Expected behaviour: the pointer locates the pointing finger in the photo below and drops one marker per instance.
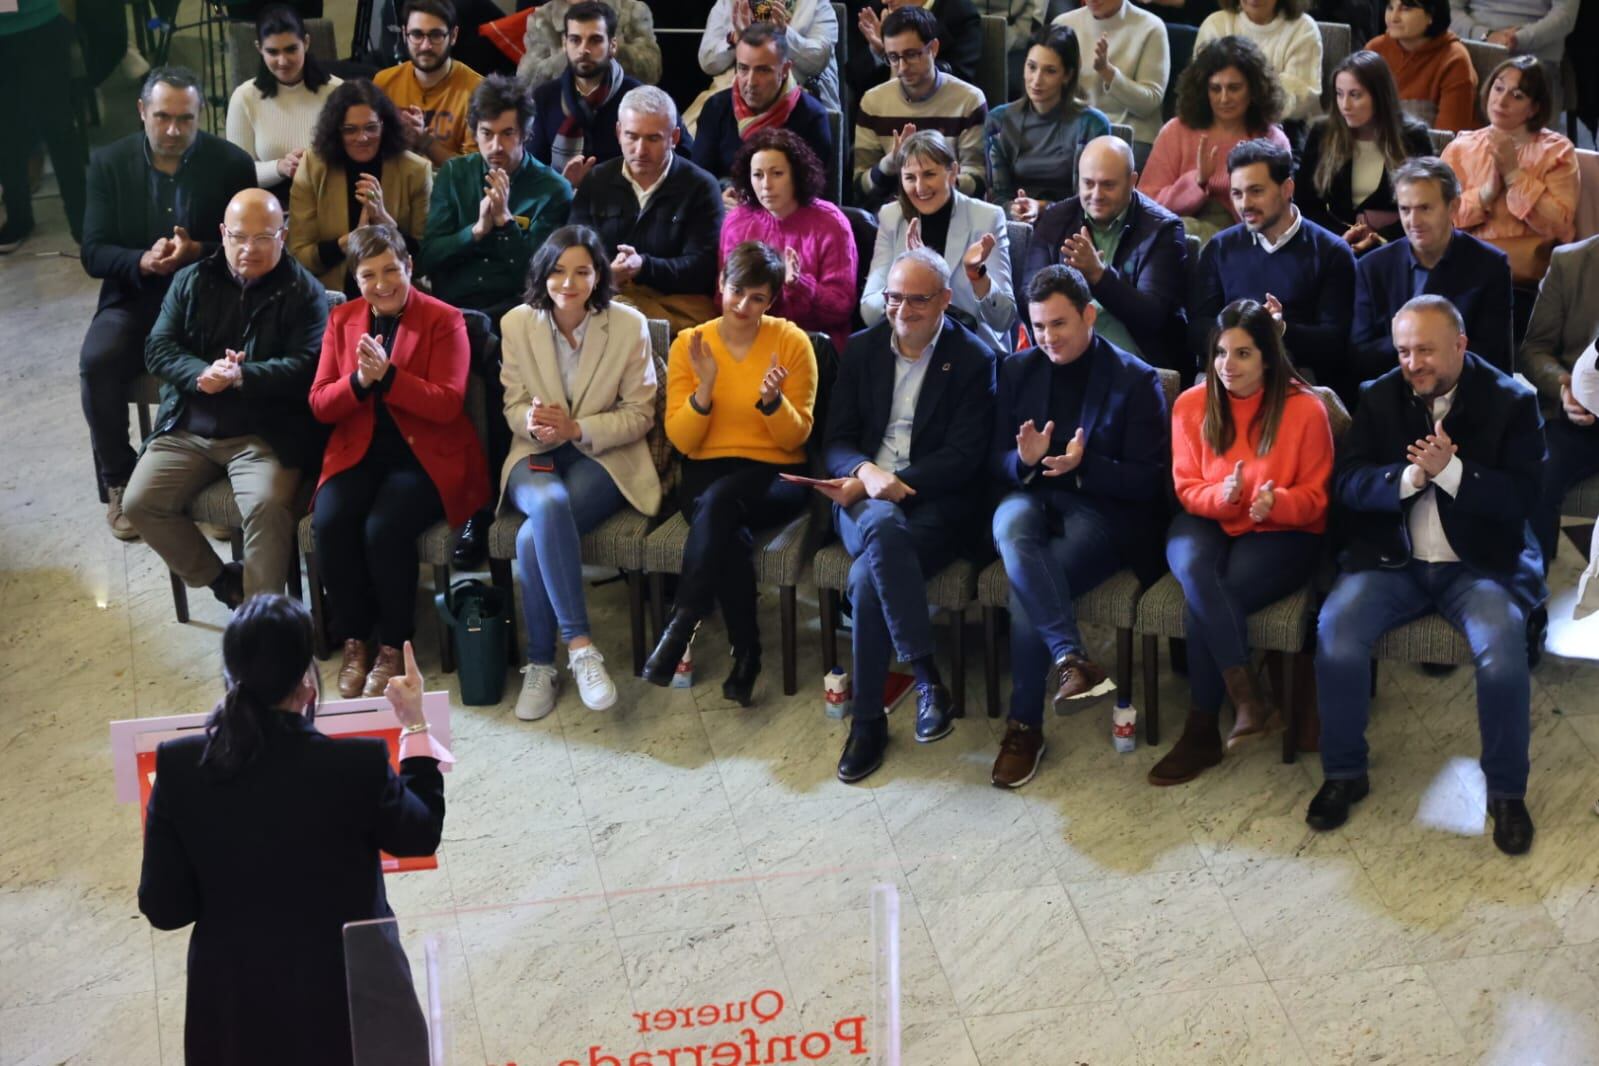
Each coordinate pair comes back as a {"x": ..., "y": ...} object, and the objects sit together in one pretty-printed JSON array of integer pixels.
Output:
[{"x": 411, "y": 669}]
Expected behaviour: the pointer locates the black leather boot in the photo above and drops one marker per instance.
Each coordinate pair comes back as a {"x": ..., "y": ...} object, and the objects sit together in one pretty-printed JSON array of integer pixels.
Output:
[
  {"x": 662, "y": 663},
  {"x": 740, "y": 684}
]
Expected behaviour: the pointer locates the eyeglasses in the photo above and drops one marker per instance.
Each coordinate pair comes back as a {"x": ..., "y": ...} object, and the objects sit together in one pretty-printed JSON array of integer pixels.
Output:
[
  {"x": 371, "y": 129},
  {"x": 917, "y": 300},
  {"x": 433, "y": 36},
  {"x": 260, "y": 242},
  {"x": 894, "y": 59}
]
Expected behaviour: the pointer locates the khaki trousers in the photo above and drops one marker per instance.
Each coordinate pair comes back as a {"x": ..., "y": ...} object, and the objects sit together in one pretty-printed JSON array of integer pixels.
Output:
[
  {"x": 173, "y": 470},
  {"x": 682, "y": 310}
]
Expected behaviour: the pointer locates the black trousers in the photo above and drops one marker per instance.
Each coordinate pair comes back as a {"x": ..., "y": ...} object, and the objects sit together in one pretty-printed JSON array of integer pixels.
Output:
[
  {"x": 366, "y": 521},
  {"x": 112, "y": 356},
  {"x": 724, "y": 501},
  {"x": 36, "y": 105}
]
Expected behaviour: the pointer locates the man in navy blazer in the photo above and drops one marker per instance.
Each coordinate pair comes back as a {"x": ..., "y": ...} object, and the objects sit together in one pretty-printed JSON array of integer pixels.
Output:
[
  {"x": 907, "y": 429},
  {"x": 1081, "y": 444},
  {"x": 1433, "y": 257},
  {"x": 1131, "y": 250},
  {"x": 1438, "y": 477}
]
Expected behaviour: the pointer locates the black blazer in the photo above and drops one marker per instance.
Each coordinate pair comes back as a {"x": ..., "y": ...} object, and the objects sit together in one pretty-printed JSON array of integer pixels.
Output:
[
  {"x": 677, "y": 233},
  {"x": 1144, "y": 283},
  {"x": 269, "y": 865},
  {"x": 1498, "y": 431},
  {"x": 117, "y": 224},
  {"x": 717, "y": 141},
  {"x": 1336, "y": 210},
  {"x": 954, "y": 413}
]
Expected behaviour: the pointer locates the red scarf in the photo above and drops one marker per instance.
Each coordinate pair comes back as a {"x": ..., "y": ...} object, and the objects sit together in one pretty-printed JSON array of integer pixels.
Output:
[{"x": 775, "y": 117}]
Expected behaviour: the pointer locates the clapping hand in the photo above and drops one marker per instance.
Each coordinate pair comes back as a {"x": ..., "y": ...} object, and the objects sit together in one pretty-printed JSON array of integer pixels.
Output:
[
  {"x": 1576, "y": 413},
  {"x": 1274, "y": 308},
  {"x": 977, "y": 253},
  {"x": 1024, "y": 208},
  {"x": 372, "y": 362},
  {"x": 1069, "y": 460},
  {"x": 892, "y": 160},
  {"x": 158, "y": 260},
  {"x": 551, "y": 423},
  {"x": 703, "y": 360},
  {"x": 913, "y": 234},
  {"x": 221, "y": 375},
  {"x": 1506, "y": 37},
  {"x": 494, "y": 209},
  {"x": 576, "y": 169},
  {"x": 871, "y": 27},
  {"x": 1504, "y": 151},
  {"x": 1032, "y": 444},
  {"x": 415, "y": 121},
  {"x": 404, "y": 692},
  {"x": 1260, "y": 506},
  {"x": 1232, "y": 487},
  {"x": 881, "y": 485},
  {"x": 1078, "y": 251},
  {"x": 289, "y": 163},
  {"x": 628, "y": 262},
  {"x": 772, "y": 383},
  {"x": 369, "y": 191},
  {"x": 1205, "y": 159},
  {"x": 1102, "y": 65},
  {"x": 791, "y": 266},
  {"x": 1433, "y": 452}
]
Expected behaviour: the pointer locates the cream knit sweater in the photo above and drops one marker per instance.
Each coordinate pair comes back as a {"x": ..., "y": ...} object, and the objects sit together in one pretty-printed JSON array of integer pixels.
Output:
[
  {"x": 1140, "y": 53},
  {"x": 269, "y": 128}
]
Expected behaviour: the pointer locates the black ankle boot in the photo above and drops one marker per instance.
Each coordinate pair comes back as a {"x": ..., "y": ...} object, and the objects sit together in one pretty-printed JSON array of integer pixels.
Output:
[
  {"x": 662, "y": 663},
  {"x": 740, "y": 684}
]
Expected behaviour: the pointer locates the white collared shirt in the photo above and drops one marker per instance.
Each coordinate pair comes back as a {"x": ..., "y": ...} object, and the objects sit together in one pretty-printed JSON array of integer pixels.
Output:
[
  {"x": 640, "y": 192},
  {"x": 895, "y": 452},
  {"x": 1270, "y": 246},
  {"x": 1428, "y": 542},
  {"x": 567, "y": 355}
]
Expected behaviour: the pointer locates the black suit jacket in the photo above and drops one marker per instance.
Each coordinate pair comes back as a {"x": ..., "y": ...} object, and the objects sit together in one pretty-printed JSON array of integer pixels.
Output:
[
  {"x": 1498, "y": 431},
  {"x": 717, "y": 140},
  {"x": 1144, "y": 283},
  {"x": 269, "y": 864},
  {"x": 677, "y": 233},
  {"x": 954, "y": 415},
  {"x": 117, "y": 220}
]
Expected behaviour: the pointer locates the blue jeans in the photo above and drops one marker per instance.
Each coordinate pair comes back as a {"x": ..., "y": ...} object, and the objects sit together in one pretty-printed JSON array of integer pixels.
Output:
[
  {"x": 1225, "y": 579},
  {"x": 1573, "y": 457},
  {"x": 560, "y": 507},
  {"x": 894, "y": 551},
  {"x": 1047, "y": 571},
  {"x": 1363, "y": 606}
]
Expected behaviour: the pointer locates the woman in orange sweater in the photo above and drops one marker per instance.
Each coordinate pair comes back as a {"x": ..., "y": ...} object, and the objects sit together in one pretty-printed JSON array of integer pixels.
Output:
[
  {"x": 1437, "y": 82},
  {"x": 1252, "y": 451},
  {"x": 739, "y": 394}
]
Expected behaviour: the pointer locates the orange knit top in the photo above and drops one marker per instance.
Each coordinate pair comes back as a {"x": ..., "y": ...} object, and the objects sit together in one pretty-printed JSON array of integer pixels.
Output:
[
  {"x": 1300, "y": 463},
  {"x": 1437, "y": 83}
]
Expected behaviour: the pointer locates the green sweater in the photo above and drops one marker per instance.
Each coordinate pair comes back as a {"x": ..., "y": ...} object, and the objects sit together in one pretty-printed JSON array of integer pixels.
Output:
[
  {"x": 30, "y": 14},
  {"x": 491, "y": 272}
]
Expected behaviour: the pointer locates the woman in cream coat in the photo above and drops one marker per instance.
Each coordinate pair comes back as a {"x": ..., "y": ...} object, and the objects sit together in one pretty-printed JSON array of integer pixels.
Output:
[
  {"x": 579, "y": 396},
  {"x": 968, "y": 233}
]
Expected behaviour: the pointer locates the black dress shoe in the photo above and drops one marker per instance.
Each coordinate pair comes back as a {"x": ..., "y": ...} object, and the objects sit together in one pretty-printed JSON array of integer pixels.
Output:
[
  {"x": 1512, "y": 825},
  {"x": 933, "y": 719},
  {"x": 740, "y": 684},
  {"x": 1330, "y": 808},
  {"x": 863, "y": 750},
  {"x": 228, "y": 588},
  {"x": 473, "y": 544},
  {"x": 662, "y": 663},
  {"x": 1537, "y": 632}
]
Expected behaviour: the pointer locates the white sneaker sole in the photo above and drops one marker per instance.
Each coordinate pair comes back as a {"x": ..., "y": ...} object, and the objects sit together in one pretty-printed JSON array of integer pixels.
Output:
[
  {"x": 1031, "y": 773},
  {"x": 607, "y": 705}
]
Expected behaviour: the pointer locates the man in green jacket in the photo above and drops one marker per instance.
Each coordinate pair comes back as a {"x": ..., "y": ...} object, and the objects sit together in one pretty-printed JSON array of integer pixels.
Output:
[{"x": 236, "y": 348}]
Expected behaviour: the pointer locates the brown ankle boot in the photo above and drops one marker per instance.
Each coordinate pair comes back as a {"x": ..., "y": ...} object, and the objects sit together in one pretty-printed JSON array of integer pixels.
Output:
[
  {"x": 352, "y": 671},
  {"x": 1197, "y": 750},
  {"x": 1254, "y": 717},
  {"x": 388, "y": 663}
]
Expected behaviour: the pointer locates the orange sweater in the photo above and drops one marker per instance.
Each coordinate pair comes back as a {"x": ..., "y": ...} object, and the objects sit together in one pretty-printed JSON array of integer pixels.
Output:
[
  {"x": 735, "y": 428},
  {"x": 1437, "y": 83},
  {"x": 1300, "y": 463}
]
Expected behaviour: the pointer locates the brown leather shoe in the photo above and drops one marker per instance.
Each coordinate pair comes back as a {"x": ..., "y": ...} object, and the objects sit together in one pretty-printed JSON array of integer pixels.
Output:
[
  {"x": 388, "y": 663},
  {"x": 1254, "y": 716},
  {"x": 1078, "y": 679},
  {"x": 1019, "y": 755},
  {"x": 121, "y": 528},
  {"x": 1197, "y": 750},
  {"x": 352, "y": 671}
]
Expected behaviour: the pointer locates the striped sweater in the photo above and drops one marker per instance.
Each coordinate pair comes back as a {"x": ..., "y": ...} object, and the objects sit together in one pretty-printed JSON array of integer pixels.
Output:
[{"x": 955, "y": 109}]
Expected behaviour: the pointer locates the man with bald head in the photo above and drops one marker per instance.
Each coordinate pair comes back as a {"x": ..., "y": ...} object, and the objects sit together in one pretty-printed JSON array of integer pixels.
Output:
[
  {"x": 235, "y": 347},
  {"x": 1129, "y": 249}
]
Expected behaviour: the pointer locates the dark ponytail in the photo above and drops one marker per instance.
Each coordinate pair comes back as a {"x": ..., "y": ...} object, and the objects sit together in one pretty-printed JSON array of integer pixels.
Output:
[{"x": 266, "y": 650}]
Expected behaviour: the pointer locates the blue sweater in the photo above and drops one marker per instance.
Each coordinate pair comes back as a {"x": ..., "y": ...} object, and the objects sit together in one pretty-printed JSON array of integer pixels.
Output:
[{"x": 1314, "y": 277}]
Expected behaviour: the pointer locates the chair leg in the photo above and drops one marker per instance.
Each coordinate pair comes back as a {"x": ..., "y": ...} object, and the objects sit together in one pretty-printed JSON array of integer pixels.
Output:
[
  {"x": 788, "y": 599},
  {"x": 1374, "y": 679},
  {"x": 321, "y": 642},
  {"x": 180, "y": 598},
  {"x": 296, "y": 585},
  {"x": 827, "y": 610},
  {"x": 236, "y": 542},
  {"x": 1151, "y": 690},
  {"x": 441, "y": 583},
  {"x": 1124, "y": 663},
  {"x": 991, "y": 660},
  {"x": 635, "y": 617},
  {"x": 957, "y": 673},
  {"x": 500, "y": 577},
  {"x": 1282, "y": 669},
  {"x": 658, "y": 602}
]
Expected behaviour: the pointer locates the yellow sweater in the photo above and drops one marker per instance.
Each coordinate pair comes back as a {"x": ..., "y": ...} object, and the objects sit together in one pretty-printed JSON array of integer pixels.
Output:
[{"x": 735, "y": 428}]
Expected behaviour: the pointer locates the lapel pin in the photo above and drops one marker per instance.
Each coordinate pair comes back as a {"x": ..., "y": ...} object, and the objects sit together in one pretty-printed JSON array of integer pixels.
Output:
[{"x": 946, "y": 366}]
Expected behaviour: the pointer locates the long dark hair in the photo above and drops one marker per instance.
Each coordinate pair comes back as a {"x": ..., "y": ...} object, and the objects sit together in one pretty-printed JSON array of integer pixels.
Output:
[
  {"x": 266, "y": 651},
  {"x": 1281, "y": 378},
  {"x": 550, "y": 252},
  {"x": 805, "y": 169},
  {"x": 1338, "y": 140},
  {"x": 1062, "y": 40},
  {"x": 328, "y": 143},
  {"x": 280, "y": 19},
  {"x": 1265, "y": 92}
]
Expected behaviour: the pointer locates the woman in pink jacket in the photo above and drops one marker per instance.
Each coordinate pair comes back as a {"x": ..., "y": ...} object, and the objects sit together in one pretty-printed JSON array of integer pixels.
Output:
[{"x": 779, "y": 183}]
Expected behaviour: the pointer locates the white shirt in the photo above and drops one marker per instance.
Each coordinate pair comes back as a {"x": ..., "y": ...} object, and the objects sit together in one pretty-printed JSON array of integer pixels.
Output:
[
  {"x": 1428, "y": 542},
  {"x": 566, "y": 355},
  {"x": 1270, "y": 246},
  {"x": 909, "y": 374},
  {"x": 640, "y": 192},
  {"x": 1366, "y": 172}
]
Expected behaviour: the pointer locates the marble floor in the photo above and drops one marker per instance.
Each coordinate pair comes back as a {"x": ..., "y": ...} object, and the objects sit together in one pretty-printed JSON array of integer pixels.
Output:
[{"x": 1085, "y": 919}]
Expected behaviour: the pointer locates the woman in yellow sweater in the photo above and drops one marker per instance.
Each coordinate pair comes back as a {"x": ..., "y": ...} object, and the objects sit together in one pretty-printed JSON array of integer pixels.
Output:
[{"x": 739, "y": 393}]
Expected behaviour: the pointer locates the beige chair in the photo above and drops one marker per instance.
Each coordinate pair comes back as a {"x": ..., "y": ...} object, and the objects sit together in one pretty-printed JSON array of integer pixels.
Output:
[
  {"x": 1336, "y": 43},
  {"x": 1122, "y": 130},
  {"x": 1282, "y": 627},
  {"x": 1484, "y": 58},
  {"x": 993, "y": 73}
]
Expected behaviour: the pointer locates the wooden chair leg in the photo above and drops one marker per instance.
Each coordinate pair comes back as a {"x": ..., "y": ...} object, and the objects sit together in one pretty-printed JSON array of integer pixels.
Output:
[
  {"x": 441, "y": 583},
  {"x": 635, "y": 617},
  {"x": 1124, "y": 663},
  {"x": 296, "y": 585},
  {"x": 827, "y": 611},
  {"x": 321, "y": 642},
  {"x": 957, "y": 673},
  {"x": 1282, "y": 679},
  {"x": 500, "y": 577},
  {"x": 1151, "y": 690},
  {"x": 788, "y": 599},
  {"x": 180, "y": 598},
  {"x": 991, "y": 660},
  {"x": 658, "y": 603}
]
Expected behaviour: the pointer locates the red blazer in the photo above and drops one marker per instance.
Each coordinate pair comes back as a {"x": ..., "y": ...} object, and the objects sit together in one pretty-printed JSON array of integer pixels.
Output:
[{"x": 430, "y": 358}]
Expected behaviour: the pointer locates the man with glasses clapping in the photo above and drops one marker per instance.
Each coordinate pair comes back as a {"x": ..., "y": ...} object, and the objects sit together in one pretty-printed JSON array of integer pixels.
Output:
[{"x": 433, "y": 89}]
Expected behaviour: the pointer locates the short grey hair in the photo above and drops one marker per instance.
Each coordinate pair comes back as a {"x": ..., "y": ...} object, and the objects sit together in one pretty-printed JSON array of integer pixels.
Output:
[
  {"x": 927, "y": 258},
  {"x": 180, "y": 78},
  {"x": 1436, "y": 304},
  {"x": 648, "y": 100}
]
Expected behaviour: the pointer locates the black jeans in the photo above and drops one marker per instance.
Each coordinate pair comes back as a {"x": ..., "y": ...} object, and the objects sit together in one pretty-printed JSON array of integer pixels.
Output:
[
  {"x": 723, "y": 501},
  {"x": 36, "y": 105},
  {"x": 366, "y": 521},
  {"x": 112, "y": 356}
]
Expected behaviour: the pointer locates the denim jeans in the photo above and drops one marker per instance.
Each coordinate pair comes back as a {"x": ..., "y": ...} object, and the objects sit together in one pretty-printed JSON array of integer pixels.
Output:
[
  {"x": 1225, "y": 579},
  {"x": 1047, "y": 571},
  {"x": 1363, "y": 606},
  {"x": 560, "y": 507},
  {"x": 895, "y": 551},
  {"x": 1573, "y": 457}
]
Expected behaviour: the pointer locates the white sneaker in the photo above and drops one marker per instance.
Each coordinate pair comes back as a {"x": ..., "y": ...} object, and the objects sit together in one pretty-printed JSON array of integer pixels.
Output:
[
  {"x": 594, "y": 685},
  {"x": 540, "y": 683}
]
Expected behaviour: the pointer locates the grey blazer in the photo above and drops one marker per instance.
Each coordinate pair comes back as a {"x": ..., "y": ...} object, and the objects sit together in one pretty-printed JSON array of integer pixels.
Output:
[{"x": 1565, "y": 319}]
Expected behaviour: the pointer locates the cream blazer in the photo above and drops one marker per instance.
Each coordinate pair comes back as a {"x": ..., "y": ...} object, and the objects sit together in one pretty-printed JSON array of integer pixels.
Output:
[
  {"x": 613, "y": 394},
  {"x": 319, "y": 208}
]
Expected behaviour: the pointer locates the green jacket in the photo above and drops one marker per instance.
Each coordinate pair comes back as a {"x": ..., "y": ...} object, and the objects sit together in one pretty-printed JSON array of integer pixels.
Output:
[
  {"x": 490, "y": 273},
  {"x": 285, "y": 314}
]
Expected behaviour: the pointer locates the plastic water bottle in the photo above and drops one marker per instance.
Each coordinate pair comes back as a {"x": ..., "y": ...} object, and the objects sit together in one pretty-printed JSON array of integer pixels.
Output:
[
  {"x": 839, "y": 698},
  {"x": 1124, "y": 726}
]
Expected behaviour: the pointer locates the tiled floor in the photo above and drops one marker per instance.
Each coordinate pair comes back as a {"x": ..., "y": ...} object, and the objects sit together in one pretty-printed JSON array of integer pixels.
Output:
[{"x": 1085, "y": 919}]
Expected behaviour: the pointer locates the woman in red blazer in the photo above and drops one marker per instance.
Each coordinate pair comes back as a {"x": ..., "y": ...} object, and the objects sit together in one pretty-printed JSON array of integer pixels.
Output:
[{"x": 402, "y": 454}]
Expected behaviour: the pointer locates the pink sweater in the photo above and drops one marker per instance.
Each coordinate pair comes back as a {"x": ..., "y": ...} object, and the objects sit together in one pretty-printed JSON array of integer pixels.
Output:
[
  {"x": 823, "y": 297},
  {"x": 1170, "y": 177}
]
